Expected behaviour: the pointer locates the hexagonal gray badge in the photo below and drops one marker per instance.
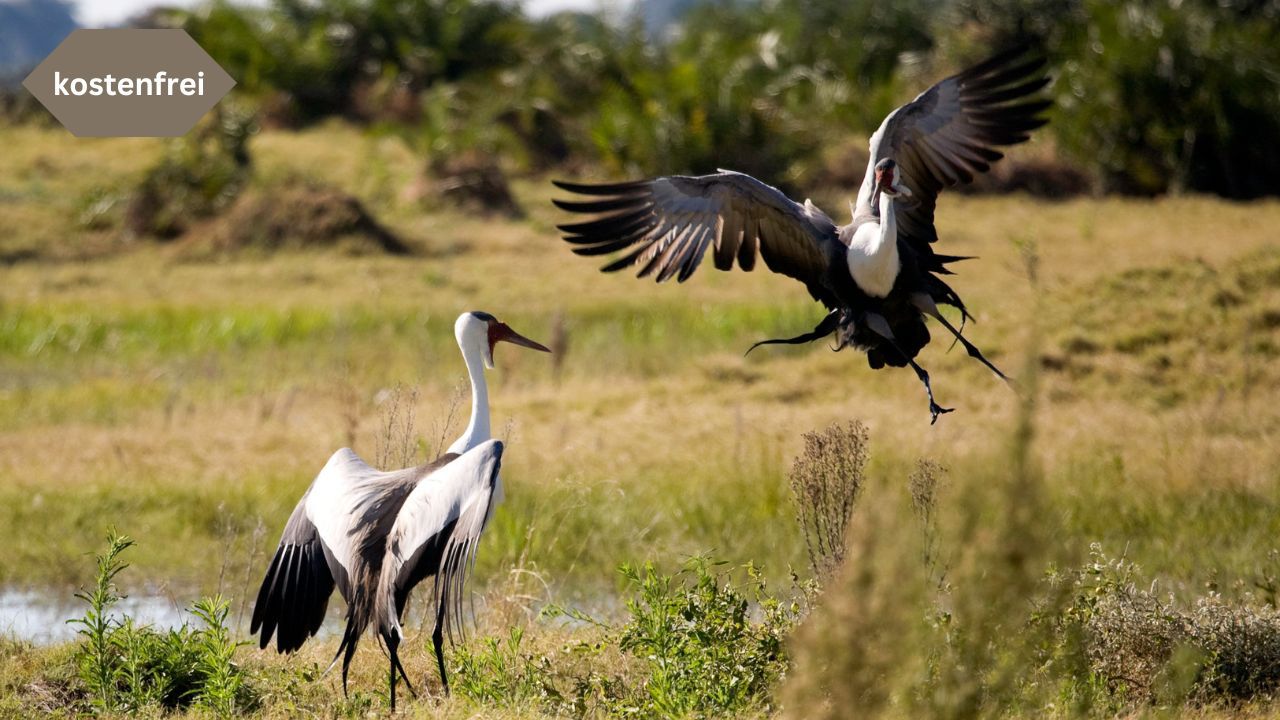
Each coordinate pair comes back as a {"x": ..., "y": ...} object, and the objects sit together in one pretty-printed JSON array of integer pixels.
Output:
[{"x": 128, "y": 83}]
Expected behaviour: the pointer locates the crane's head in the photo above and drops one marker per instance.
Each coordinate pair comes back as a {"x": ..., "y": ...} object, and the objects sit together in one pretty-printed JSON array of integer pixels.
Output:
[
  {"x": 889, "y": 179},
  {"x": 479, "y": 331}
]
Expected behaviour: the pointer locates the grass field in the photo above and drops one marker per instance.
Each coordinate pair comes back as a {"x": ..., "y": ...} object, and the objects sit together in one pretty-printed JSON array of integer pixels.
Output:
[{"x": 189, "y": 401}]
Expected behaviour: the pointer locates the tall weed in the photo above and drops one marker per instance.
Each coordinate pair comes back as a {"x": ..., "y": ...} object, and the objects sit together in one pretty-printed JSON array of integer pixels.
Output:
[
  {"x": 130, "y": 667},
  {"x": 826, "y": 480},
  {"x": 97, "y": 659}
]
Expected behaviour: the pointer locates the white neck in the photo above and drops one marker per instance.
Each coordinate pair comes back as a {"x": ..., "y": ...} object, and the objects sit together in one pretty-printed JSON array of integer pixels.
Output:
[
  {"x": 873, "y": 252},
  {"x": 888, "y": 240},
  {"x": 478, "y": 428}
]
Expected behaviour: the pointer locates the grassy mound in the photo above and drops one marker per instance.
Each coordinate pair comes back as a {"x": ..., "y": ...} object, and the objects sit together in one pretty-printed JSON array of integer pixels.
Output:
[
  {"x": 298, "y": 216},
  {"x": 1174, "y": 331}
]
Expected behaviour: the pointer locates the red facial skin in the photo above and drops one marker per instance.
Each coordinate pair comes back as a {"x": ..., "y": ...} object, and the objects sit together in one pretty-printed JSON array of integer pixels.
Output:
[{"x": 884, "y": 178}]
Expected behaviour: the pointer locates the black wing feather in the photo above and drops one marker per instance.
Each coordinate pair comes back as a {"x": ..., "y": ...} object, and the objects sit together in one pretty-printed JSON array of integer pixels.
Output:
[
  {"x": 951, "y": 132},
  {"x": 295, "y": 592},
  {"x": 672, "y": 221}
]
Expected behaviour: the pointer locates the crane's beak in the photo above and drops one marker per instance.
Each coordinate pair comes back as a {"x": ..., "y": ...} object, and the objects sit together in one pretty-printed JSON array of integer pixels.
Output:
[
  {"x": 500, "y": 331},
  {"x": 895, "y": 187}
]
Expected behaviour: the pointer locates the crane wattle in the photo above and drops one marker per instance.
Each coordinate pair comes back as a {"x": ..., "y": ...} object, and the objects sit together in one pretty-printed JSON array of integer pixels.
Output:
[{"x": 495, "y": 334}]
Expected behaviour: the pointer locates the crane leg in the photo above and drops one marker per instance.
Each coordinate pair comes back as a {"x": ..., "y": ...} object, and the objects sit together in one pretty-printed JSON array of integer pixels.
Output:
[
  {"x": 934, "y": 408},
  {"x": 393, "y": 650},
  {"x": 404, "y": 675},
  {"x": 880, "y": 326},
  {"x": 437, "y": 642},
  {"x": 930, "y": 308}
]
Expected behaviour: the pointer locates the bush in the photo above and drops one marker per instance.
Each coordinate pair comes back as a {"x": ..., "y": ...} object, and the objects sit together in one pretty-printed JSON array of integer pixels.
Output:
[
  {"x": 706, "y": 656},
  {"x": 1173, "y": 96},
  {"x": 201, "y": 174},
  {"x": 1143, "y": 646},
  {"x": 330, "y": 57},
  {"x": 128, "y": 667},
  {"x": 700, "y": 643},
  {"x": 499, "y": 672}
]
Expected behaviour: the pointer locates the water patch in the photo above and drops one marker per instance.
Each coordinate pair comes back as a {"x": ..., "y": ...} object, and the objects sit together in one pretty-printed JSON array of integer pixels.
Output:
[{"x": 41, "y": 617}]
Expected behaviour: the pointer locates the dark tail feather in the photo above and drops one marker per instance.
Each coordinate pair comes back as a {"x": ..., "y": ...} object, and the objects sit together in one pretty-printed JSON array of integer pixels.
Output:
[
  {"x": 928, "y": 307},
  {"x": 939, "y": 263},
  {"x": 823, "y": 329},
  {"x": 346, "y": 650},
  {"x": 941, "y": 292}
]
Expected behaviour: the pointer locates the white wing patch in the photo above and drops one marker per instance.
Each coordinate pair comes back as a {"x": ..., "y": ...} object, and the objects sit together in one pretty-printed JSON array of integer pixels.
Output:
[{"x": 345, "y": 487}]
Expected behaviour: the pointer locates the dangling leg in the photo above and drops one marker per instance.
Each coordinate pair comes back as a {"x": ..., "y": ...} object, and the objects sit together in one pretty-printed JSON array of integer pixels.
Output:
[
  {"x": 880, "y": 326},
  {"x": 437, "y": 641},
  {"x": 934, "y": 408},
  {"x": 930, "y": 308}
]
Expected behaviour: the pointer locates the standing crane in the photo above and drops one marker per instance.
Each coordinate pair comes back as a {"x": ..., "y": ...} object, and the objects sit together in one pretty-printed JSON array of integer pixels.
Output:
[
  {"x": 878, "y": 275},
  {"x": 376, "y": 535}
]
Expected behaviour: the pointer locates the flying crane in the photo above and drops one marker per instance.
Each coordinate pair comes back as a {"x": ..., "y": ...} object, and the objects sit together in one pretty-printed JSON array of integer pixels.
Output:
[{"x": 878, "y": 275}]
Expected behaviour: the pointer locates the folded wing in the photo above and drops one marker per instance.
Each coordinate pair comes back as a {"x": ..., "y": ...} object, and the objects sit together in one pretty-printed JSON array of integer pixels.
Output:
[{"x": 435, "y": 535}]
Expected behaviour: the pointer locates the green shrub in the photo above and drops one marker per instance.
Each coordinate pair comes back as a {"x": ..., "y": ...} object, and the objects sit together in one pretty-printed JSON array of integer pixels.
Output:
[
  {"x": 704, "y": 642},
  {"x": 126, "y": 666},
  {"x": 706, "y": 655},
  {"x": 97, "y": 660},
  {"x": 499, "y": 672},
  {"x": 200, "y": 175}
]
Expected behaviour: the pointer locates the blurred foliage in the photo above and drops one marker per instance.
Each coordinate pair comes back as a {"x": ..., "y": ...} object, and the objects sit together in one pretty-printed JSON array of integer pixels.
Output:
[
  {"x": 201, "y": 174},
  {"x": 1185, "y": 100},
  {"x": 1153, "y": 95},
  {"x": 321, "y": 56},
  {"x": 1157, "y": 95}
]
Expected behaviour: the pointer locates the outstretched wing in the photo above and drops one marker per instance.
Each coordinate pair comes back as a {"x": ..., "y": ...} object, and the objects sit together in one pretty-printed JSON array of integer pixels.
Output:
[
  {"x": 296, "y": 590},
  {"x": 436, "y": 534},
  {"x": 667, "y": 224},
  {"x": 949, "y": 133}
]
